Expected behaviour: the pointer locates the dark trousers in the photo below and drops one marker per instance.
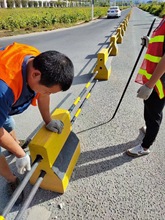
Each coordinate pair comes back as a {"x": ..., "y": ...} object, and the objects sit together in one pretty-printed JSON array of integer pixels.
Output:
[{"x": 153, "y": 114}]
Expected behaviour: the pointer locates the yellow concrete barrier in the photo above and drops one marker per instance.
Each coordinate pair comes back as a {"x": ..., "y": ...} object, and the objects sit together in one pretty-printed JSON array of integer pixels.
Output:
[
  {"x": 104, "y": 56},
  {"x": 125, "y": 25},
  {"x": 101, "y": 66},
  {"x": 122, "y": 29},
  {"x": 113, "y": 49},
  {"x": 60, "y": 153},
  {"x": 119, "y": 36}
]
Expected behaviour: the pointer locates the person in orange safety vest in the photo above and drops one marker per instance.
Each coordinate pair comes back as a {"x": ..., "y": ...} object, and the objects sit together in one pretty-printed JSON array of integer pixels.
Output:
[
  {"x": 27, "y": 77},
  {"x": 152, "y": 77}
]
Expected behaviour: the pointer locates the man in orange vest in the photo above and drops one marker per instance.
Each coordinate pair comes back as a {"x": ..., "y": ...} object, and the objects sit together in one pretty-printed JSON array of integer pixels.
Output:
[
  {"x": 152, "y": 76},
  {"x": 27, "y": 75}
]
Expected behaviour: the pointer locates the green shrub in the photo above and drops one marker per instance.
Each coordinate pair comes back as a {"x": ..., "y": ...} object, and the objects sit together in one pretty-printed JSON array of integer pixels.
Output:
[
  {"x": 24, "y": 3},
  {"x": 35, "y": 4},
  {"x": 17, "y": 3},
  {"x": 34, "y": 21},
  {"x": 10, "y": 3},
  {"x": 162, "y": 13},
  {"x": 29, "y": 18},
  {"x": 154, "y": 8}
]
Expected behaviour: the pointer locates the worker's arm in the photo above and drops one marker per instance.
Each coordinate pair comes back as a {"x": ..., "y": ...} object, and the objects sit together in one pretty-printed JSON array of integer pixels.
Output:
[
  {"x": 43, "y": 105},
  {"x": 8, "y": 142}
]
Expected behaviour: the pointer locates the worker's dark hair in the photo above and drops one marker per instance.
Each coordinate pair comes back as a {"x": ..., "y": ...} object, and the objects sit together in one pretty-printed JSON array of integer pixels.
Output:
[{"x": 55, "y": 68}]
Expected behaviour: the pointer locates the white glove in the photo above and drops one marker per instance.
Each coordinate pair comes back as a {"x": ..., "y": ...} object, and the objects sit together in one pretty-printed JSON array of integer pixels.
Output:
[
  {"x": 55, "y": 126},
  {"x": 145, "y": 41},
  {"x": 144, "y": 92},
  {"x": 23, "y": 164}
]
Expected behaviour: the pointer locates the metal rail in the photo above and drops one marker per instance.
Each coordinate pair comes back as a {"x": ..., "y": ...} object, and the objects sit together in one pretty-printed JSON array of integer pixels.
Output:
[
  {"x": 83, "y": 102},
  {"x": 31, "y": 196},
  {"x": 20, "y": 188},
  {"x": 82, "y": 93}
]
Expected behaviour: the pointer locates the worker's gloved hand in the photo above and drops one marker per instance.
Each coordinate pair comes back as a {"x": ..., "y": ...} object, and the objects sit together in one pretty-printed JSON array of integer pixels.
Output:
[
  {"x": 23, "y": 164},
  {"x": 144, "y": 92},
  {"x": 145, "y": 41},
  {"x": 55, "y": 126}
]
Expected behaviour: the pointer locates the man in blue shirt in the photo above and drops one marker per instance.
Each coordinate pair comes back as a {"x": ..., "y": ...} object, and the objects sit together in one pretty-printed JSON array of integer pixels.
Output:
[{"x": 26, "y": 75}]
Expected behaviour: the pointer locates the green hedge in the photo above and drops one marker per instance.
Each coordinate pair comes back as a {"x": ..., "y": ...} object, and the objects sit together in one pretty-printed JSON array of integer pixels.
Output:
[
  {"x": 153, "y": 8},
  {"x": 28, "y": 18}
]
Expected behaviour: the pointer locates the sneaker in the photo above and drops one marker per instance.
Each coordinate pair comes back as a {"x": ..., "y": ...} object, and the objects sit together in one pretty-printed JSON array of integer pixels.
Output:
[
  {"x": 143, "y": 129},
  {"x": 12, "y": 187},
  {"x": 137, "y": 151}
]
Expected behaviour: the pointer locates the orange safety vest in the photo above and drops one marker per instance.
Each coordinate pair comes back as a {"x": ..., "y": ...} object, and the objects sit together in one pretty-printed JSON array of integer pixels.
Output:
[
  {"x": 152, "y": 57},
  {"x": 11, "y": 59}
]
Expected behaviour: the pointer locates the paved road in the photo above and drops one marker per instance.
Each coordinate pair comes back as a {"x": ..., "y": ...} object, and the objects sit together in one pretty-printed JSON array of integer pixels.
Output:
[
  {"x": 106, "y": 183},
  {"x": 81, "y": 44}
]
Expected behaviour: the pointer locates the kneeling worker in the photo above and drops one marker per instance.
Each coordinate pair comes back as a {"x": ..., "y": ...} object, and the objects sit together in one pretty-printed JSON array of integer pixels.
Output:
[{"x": 27, "y": 76}]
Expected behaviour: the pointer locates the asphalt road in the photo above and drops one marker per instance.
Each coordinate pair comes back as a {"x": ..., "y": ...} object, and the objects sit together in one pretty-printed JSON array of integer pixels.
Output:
[
  {"x": 81, "y": 44},
  {"x": 106, "y": 184}
]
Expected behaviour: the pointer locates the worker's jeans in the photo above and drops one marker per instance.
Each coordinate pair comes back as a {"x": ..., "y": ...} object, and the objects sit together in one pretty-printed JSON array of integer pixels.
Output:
[
  {"x": 153, "y": 114},
  {"x": 9, "y": 125}
]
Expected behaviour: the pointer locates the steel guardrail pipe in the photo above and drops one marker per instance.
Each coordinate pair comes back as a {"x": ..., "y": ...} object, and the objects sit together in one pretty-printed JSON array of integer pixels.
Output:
[{"x": 20, "y": 187}]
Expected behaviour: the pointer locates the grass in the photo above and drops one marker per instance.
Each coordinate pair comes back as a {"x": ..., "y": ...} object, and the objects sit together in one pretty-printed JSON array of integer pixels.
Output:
[{"x": 28, "y": 20}]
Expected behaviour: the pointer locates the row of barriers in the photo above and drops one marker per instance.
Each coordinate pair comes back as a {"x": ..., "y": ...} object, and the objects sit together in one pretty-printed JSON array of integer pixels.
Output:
[
  {"x": 104, "y": 56},
  {"x": 54, "y": 156}
]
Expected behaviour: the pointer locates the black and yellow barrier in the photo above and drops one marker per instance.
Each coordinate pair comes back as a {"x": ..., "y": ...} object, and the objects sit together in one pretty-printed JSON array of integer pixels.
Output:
[
  {"x": 113, "y": 49},
  {"x": 104, "y": 56},
  {"x": 103, "y": 68},
  {"x": 122, "y": 29},
  {"x": 119, "y": 35},
  {"x": 125, "y": 22},
  {"x": 60, "y": 152}
]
